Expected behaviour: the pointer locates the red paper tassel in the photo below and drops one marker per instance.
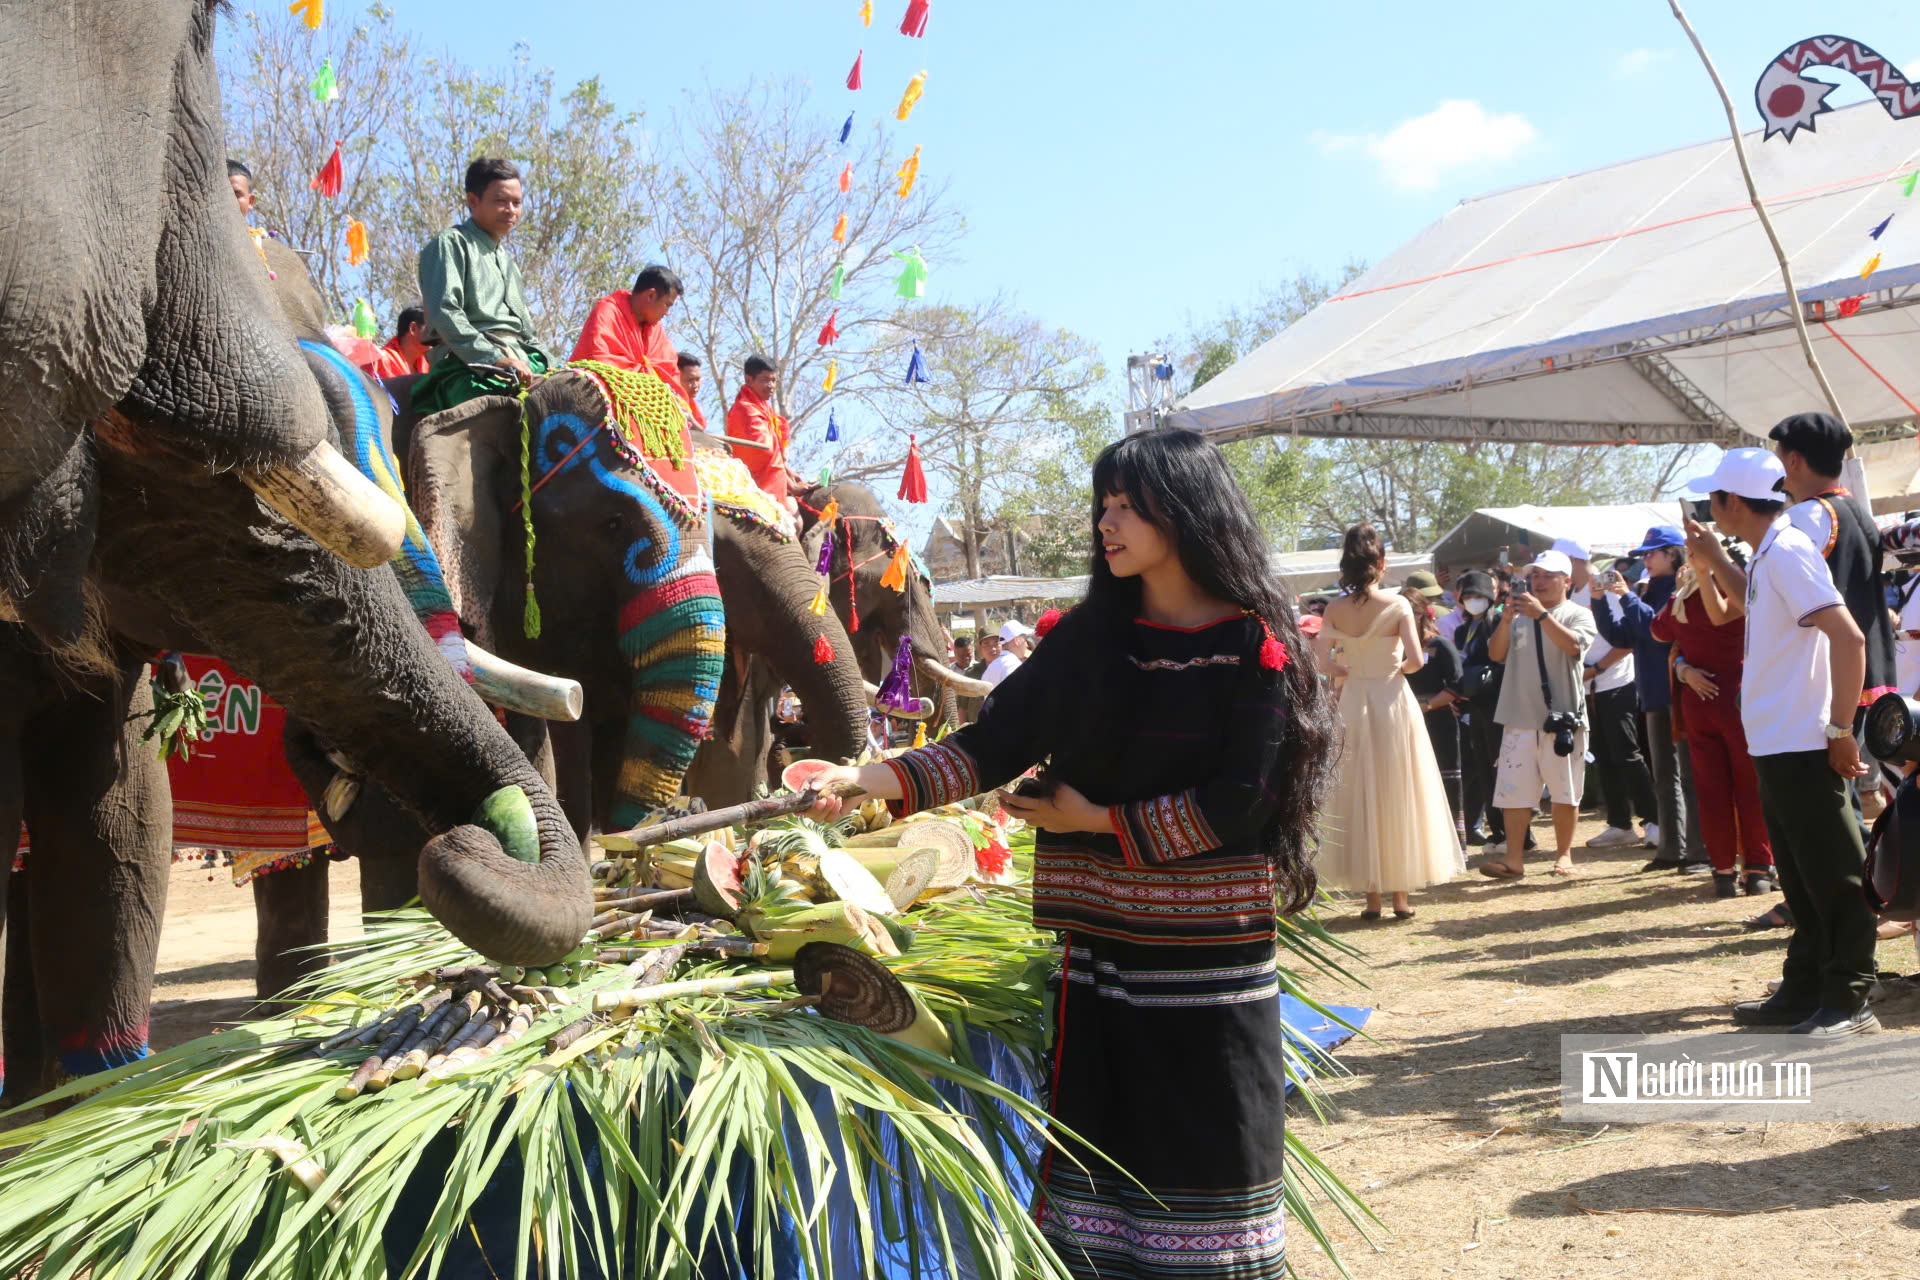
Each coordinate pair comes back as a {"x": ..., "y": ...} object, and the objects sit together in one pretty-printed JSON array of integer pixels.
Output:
[
  {"x": 1851, "y": 306},
  {"x": 915, "y": 23},
  {"x": 853, "y": 76},
  {"x": 822, "y": 651},
  {"x": 327, "y": 181},
  {"x": 1273, "y": 654},
  {"x": 853, "y": 598},
  {"x": 913, "y": 481},
  {"x": 846, "y": 178},
  {"x": 830, "y": 331}
]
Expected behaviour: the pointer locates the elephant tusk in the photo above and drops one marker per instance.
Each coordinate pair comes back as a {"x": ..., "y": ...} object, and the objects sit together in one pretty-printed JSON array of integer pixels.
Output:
[
  {"x": 960, "y": 684},
  {"x": 333, "y": 504},
  {"x": 502, "y": 684},
  {"x": 919, "y": 709}
]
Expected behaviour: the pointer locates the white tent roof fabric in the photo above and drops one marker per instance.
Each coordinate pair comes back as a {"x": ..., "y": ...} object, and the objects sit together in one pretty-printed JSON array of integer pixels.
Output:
[
  {"x": 1298, "y": 571},
  {"x": 1603, "y": 531},
  {"x": 1639, "y": 303}
]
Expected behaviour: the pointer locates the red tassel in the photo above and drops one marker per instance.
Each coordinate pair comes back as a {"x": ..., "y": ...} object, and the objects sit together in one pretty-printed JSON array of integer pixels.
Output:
[
  {"x": 1273, "y": 654},
  {"x": 822, "y": 651},
  {"x": 853, "y": 601},
  {"x": 915, "y": 23},
  {"x": 830, "y": 331},
  {"x": 853, "y": 76},
  {"x": 327, "y": 181},
  {"x": 1851, "y": 306},
  {"x": 913, "y": 482},
  {"x": 846, "y": 178}
]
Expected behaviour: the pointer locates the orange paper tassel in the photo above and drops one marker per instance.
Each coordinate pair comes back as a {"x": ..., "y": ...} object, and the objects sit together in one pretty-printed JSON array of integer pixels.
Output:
[
  {"x": 840, "y": 228},
  {"x": 913, "y": 481},
  {"x": 309, "y": 11},
  {"x": 846, "y": 178},
  {"x": 327, "y": 181},
  {"x": 896, "y": 574},
  {"x": 830, "y": 513},
  {"x": 909, "y": 174},
  {"x": 357, "y": 248}
]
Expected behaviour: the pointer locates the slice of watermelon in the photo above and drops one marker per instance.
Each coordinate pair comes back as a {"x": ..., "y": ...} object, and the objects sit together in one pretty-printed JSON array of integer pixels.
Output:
[
  {"x": 716, "y": 881},
  {"x": 796, "y": 775}
]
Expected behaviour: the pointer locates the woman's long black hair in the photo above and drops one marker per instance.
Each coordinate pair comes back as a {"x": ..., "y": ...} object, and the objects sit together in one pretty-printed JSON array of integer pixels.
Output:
[{"x": 1180, "y": 484}]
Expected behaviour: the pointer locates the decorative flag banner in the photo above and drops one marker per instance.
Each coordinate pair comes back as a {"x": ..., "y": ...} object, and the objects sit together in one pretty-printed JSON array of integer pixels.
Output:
[
  {"x": 840, "y": 229},
  {"x": 1789, "y": 101},
  {"x": 325, "y": 87},
  {"x": 830, "y": 331},
  {"x": 327, "y": 181},
  {"x": 1907, "y": 185},
  {"x": 917, "y": 367},
  {"x": 909, "y": 173},
  {"x": 833, "y": 425},
  {"x": 1873, "y": 265},
  {"x": 1851, "y": 306},
  {"x": 853, "y": 76},
  {"x": 846, "y": 130},
  {"x": 826, "y": 388},
  {"x": 866, "y": 13},
  {"x": 309, "y": 10},
  {"x": 913, "y": 481},
  {"x": 846, "y": 178},
  {"x": 912, "y": 281},
  {"x": 915, "y": 87},
  {"x": 915, "y": 23},
  {"x": 357, "y": 247},
  {"x": 839, "y": 279},
  {"x": 1875, "y": 233},
  {"x": 364, "y": 325}
]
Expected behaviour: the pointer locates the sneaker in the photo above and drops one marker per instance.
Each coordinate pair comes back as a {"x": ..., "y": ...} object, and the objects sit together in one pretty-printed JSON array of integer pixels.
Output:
[
  {"x": 1613, "y": 838},
  {"x": 1695, "y": 867},
  {"x": 1726, "y": 885},
  {"x": 1662, "y": 864},
  {"x": 1650, "y": 835},
  {"x": 1832, "y": 1024},
  {"x": 1494, "y": 847},
  {"x": 1760, "y": 882},
  {"x": 1773, "y": 1012}
]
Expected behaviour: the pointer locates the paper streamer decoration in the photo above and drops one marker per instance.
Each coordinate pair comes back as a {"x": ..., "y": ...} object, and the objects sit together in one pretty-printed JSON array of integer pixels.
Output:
[
  {"x": 364, "y": 325},
  {"x": 833, "y": 425},
  {"x": 325, "y": 87},
  {"x": 913, "y": 481},
  {"x": 1851, "y": 306},
  {"x": 327, "y": 181},
  {"x": 846, "y": 130},
  {"x": 1789, "y": 101},
  {"x": 915, "y": 23},
  {"x": 909, "y": 173},
  {"x": 826, "y": 387},
  {"x": 839, "y": 281},
  {"x": 1907, "y": 184},
  {"x": 822, "y": 651},
  {"x": 309, "y": 11},
  {"x": 819, "y": 606},
  {"x": 1876, "y": 232},
  {"x": 840, "y": 230},
  {"x": 917, "y": 367},
  {"x": 825, "y": 563},
  {"x": 853, "y": 76},
  {"x": 830, "y": 331},
  {"x": 896, "y": 690},
  {"x": 866, "y": 13},
  {"x": 912, "y": 281},
  {"x": 915, "y": 87},
  {"x": 357, "y": 246},
  {"x": 895, "y": 578},
  {"x": 846, "y": 178},
  {"x": 1873, "y": 265}
]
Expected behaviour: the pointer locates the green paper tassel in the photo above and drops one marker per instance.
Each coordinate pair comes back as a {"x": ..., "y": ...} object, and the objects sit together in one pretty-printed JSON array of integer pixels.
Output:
[
  {"x": 364, "y": 325},
  {"x": 325, "y": 87},
  {"x": 1906, "y": 187},
  {"x": 839, "y": 279}
]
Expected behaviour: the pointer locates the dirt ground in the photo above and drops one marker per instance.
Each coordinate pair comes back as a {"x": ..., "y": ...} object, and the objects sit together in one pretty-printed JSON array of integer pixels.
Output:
[{"x": 1449, "y": 1127}]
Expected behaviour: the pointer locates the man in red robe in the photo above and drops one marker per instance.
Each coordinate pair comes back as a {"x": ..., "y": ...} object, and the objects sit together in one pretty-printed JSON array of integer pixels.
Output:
[
  {"x": 627, "y": 329},
  {"x": 752, "y": 419},
  {"x": 407, "y": 351}
]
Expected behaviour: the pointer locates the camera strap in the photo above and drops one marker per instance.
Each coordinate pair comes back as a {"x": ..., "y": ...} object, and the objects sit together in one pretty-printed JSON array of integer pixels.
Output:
[{"x": 1540, "y": 656}]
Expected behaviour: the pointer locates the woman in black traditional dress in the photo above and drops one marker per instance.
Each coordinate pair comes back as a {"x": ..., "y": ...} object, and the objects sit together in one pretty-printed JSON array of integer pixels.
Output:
[
  {"x": 1187, "y": 744},
  {"x": 1437, "y": 687}
]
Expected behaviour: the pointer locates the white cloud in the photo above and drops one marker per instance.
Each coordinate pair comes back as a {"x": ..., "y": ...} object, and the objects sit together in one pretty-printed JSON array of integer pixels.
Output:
[
  {"x": 1457, "y": 135},
  {"x": 1332, "y": 143},
  {"x": 1637, "y": 62}
]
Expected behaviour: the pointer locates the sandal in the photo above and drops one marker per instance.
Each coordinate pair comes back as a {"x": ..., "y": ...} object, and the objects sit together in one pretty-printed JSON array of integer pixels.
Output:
[
  {"x": 1500, "y": 871},
  {"x": 1563, "y": 869},
  {"x": 1774, "y": 917},
  {"x": 1398, "y": 914},
  {"x": 1370, "y": 915}
]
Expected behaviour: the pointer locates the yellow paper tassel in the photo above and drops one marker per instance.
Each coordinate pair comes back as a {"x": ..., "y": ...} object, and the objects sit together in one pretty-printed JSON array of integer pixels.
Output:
[
  {"x": 920, "y": 734},
  {"x": 357, "y": 248},
  {"x": 833, "y": 370},
  {"x": 819, "y": 605},
  {"x": 915, "y": 87},
  {"x": 309, "y": 11},
  {"x": 866, "y": 13},
  {"x": 909, "y": 174},
  {"x": 1873, "y": 265},
  {"x": 896, "y": 574}
]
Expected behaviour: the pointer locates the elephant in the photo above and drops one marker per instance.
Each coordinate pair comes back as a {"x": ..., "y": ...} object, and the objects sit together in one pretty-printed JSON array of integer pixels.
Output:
[
  {"x": 864, "y": 544},
  {"x": 170, "y": 478}
]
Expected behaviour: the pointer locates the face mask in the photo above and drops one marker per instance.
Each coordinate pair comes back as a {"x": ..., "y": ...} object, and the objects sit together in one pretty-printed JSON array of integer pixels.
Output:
[{"x": 1476, "y": 606}]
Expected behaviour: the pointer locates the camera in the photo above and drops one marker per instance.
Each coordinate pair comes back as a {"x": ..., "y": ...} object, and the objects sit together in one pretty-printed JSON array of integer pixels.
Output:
[{"x": 1562, "y": 725}]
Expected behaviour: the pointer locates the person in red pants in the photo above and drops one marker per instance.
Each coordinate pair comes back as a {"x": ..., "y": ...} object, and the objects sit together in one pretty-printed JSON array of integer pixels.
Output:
[{"x": 1706, "y": 626}]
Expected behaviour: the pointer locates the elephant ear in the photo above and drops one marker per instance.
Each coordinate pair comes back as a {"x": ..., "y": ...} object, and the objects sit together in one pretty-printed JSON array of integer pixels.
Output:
[{"x": 461, "y": 468}]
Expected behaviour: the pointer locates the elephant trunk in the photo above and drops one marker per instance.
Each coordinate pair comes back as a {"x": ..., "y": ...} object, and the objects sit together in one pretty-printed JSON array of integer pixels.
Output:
[
  {"x": 930, "y": 646},
  {"x": 826, "y": 679},
  {"x": 673, "y": 637}
]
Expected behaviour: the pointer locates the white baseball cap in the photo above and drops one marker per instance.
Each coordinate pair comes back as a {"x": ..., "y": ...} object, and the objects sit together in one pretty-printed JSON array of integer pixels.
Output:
[
  {"x": 1571, "y": 550},
  {"x": 1014, "y": 627},
  {"x": 1750, "y": 473},
  {"x": 1554, "y": 561}
]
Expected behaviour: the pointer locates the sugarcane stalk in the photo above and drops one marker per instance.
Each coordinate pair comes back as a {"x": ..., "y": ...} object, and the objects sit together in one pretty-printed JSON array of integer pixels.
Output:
[
  {"x": 622, "y": 1004},
  {"x": 484, "y": 1035},
  {"x": 613, "y": 914},
  {"x": 698, "y": 824},
  {"x": 402, "y": 1028},
  {"x": 620, "y": 925},
  {"x": 428, "y": 1030},
  {"x": 732, "y": 948},
  {"x": 454, "y": 974},
  {"x": 423, "y": 1047},
  {"x": 635, "y": 899},
  {"x": 510, "y": 1035},
  {"x": 481, "y": 1016},
  {"x": 652, "y": 964}
]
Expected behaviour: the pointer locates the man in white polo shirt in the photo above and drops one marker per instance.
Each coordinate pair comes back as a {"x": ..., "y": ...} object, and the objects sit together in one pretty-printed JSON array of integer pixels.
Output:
[{"x": 1805, "y": 663}]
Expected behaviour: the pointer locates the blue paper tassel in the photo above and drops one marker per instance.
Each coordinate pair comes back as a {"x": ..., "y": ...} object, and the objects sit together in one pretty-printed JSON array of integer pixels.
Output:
[
  {"x": 846, "y": 130},
  {"x": 1875, "y": 233},
  {"x": 833, "y": 427},
  {"x": 917, "y": 367}
]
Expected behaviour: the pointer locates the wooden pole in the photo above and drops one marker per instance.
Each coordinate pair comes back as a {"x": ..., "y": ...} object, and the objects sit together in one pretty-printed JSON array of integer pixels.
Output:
[{"x": 1753, "y": 193}]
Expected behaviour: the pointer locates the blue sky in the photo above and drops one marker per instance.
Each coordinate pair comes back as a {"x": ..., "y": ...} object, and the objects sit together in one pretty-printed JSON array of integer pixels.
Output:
[{"x": 1125, "y": 166}]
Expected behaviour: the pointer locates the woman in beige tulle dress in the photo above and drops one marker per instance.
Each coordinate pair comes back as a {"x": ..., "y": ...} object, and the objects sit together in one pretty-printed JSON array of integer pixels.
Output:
[{"x": 1388, "y": 827}]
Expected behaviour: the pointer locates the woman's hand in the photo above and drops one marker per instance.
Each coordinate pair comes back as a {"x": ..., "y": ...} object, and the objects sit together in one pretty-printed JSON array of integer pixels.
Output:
[
  {"x": 1700, "y": 682},
  {"x": 829, "y": 807},
  {"x": 1064, "y": 811}
]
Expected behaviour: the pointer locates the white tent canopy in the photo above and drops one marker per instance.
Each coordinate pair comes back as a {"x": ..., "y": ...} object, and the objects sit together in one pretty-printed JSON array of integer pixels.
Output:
[
  {"x": 1301, "y": 571},
  {"x": 1478, "y": 540},
  {"x": 1635, "y": 303}
]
